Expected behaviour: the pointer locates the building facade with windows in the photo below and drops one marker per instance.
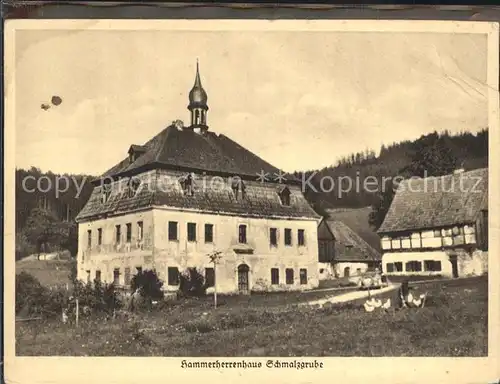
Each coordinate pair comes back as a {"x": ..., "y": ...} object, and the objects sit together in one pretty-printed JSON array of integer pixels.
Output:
[
  {"x": 438, "y": 226},
  {"x": 189, "y": 192},
  {"x": 342, "y": 252}
]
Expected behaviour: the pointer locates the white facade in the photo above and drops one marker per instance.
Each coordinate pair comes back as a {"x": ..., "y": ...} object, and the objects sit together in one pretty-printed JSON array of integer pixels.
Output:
[
  {"x": 151, "y": 248},
  {"x": 441, "y": 251}
]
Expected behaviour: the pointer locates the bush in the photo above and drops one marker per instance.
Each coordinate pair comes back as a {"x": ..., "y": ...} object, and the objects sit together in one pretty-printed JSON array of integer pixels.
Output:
[
  {"x": 33, "y": 299},
  {"x": 97, "y": 296},
  {"x": 149, "y": 285},
  {"x": 192, "y": 283}
]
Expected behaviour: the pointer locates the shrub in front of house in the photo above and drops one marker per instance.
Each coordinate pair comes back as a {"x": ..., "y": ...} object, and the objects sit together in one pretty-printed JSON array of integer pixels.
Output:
[{"x": 192, "y": 283}]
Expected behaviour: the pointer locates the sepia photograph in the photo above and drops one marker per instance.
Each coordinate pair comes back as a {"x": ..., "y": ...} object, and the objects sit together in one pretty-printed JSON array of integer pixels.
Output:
[{"x": 200, "y": 191}]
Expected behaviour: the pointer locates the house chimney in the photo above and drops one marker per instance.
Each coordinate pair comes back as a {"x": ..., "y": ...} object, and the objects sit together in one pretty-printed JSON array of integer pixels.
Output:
[{"x": 179, "y": 124}]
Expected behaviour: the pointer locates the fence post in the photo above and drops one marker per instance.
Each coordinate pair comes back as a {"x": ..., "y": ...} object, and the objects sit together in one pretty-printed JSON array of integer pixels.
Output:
[{"x": 77, "y": 310}]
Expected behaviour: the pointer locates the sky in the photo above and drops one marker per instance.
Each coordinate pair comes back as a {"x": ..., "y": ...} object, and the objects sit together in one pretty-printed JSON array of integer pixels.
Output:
[{"x": 299, "y": 100}]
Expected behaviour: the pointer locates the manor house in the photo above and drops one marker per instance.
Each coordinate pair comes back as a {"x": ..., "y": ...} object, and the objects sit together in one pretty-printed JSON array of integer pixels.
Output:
[{"x": 189, "y": 192}]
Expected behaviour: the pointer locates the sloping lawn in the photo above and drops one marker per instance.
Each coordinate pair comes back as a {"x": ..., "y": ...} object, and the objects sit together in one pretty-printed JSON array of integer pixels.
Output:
[
  {"x": 453, "y": 323},
  {"x": 50, "y": 273}
]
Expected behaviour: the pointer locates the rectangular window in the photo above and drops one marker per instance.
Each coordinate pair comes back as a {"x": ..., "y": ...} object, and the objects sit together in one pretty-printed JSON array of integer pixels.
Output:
[
  {"x": 98, "y": 276},
  {"x": 118, "y": 234},
  {"x": 275, "y": 276},
  {"x": 116, "y": 276},
  {"x": 289, "y": 275},
  {"x": 127, "y": 276},
  {"x": 209, "y": 233},
  {"x": 273, "y": 237},
  {"x": 88, "y": 277},
  {"x": 437, "y": 266},
  {"x": 301, "y": 237},
  {"x": 413, "y": 266},
  {"x": 172, "y": 230},
  {"x": 288, "y": 236},
  {"x": 99, "y": 236},
  {"x": 242, "y": 234},
  {"x": 390, "y": 267},
  {"x": 129, "y": 232},
  {"x": 140, "y": 230},
  {"x": 398, "y": 266},
  {"x": 303, "y": 276},
  {"x": 89, "y": 239},
  {"x": 173, "y": 276},
  {"x": 191, "y": 228},
  {"x": 432, "y": 265},
  {"x": 209, "y": 277}
]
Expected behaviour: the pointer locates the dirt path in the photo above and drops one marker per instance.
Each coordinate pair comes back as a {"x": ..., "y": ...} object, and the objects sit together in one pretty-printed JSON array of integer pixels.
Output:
[{"x": 350, "y": 296}]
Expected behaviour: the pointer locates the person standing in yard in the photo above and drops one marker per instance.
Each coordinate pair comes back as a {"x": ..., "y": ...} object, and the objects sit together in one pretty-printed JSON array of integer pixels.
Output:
[{"x": 404, "y": 290}]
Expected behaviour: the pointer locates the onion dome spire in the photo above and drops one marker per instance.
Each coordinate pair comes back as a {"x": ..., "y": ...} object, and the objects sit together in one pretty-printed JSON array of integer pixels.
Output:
[{"x": 198, "y": 103}]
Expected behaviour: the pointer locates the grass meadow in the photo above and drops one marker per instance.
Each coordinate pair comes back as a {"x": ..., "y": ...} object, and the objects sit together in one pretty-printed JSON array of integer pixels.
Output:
[{"x": 453, "y": 323}]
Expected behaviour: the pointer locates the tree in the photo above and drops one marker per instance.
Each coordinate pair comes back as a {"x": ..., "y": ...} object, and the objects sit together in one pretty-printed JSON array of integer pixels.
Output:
[
  {"x": 432, "y": 155},
  {"x": 382, "y": 205},
  {"x": 41, "y": 229}
]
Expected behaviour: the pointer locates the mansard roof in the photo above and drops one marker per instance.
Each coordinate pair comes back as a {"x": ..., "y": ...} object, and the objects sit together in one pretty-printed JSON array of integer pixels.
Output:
[
  {"x": 180, "y": 148},
  {"x": 162, "y": 189}
]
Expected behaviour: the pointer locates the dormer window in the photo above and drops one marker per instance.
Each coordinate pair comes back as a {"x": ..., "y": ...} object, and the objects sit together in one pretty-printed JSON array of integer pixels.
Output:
[
  {"x": 284, "y": 195},
  {"x": 238, "y": 187},
  {"x": 105, "y": 193},
  {"x": 187, "y": 184},
  {"x": 134, "y": 152},
  {"x": 133, "y": 186}
]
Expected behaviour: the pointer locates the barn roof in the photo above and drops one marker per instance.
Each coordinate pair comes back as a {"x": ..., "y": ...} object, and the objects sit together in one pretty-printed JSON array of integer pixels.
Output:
[
  {"x": 349, "y": 246},
  {"x": 437, "y": 201},
  {"x": 180, "y": 148}
]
